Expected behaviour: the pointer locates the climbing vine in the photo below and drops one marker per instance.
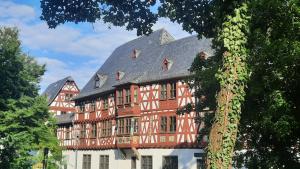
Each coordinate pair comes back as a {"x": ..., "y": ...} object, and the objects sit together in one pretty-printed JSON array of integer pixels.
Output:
[{"x": 232, "y": 77}]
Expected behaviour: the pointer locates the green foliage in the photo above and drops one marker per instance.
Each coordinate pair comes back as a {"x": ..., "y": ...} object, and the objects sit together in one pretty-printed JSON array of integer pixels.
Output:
[
  {"x": 270, "y": 123},
  {"x": 133, "y": 14},
  {"x": 19, "y": 73},
  {"x": 26, "y": 126}
]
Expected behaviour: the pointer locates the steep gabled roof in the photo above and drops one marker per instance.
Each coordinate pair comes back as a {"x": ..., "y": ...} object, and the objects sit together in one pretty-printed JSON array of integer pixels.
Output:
[
  {"x": 53, "y": 89},
  {"x": 147, "y": 67}
]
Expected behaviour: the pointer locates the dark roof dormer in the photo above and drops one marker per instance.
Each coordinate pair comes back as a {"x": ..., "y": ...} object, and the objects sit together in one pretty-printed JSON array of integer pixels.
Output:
[
  {"x": 119, "y": 75},
  {"x": 100, "y": 80},
  {"x": 135, "y": 53},
  {"x": 167, "y": 64}
]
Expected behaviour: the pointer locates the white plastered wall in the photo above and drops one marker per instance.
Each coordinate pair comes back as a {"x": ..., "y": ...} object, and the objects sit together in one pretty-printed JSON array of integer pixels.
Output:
[{"x": 186, "y": 159}]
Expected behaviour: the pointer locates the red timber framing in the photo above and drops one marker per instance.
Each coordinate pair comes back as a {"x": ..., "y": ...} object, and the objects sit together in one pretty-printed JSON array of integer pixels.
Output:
[
  {"x": 63, "y": 104},
  {"x": 63, "y": 101},
  {"x": 136, "y": 116}
]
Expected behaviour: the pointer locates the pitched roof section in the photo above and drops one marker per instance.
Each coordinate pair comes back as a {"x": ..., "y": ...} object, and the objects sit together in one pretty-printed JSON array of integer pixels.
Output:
[
  {"x": 65, "y": 118},
  {"x": 148, "y": 66},
  {"x": 53, "y": 89}
]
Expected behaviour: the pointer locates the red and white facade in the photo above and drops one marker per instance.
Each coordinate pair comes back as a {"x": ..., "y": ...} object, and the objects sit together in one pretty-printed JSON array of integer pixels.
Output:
[
  {"x": 130, "y": 124},
  {"x": 61, "y": 105},
  {"x": 98, "y": 128},
  {"x": 63, "y": 102}
]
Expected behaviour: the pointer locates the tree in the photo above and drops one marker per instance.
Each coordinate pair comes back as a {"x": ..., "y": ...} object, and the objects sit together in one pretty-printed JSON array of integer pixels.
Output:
[
  {"x": 26, "y": 126},
  {"x": 228, "y": 22},
  {"x": 269, "y": 128},
  {"x": 270, "y": 123}
]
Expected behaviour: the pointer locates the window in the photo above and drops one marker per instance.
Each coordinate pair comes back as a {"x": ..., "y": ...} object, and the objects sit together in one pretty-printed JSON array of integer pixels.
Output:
[
  {"x": 63, "y": 112},
  {"x": 172, "y": 123},
  {"x": 135, "y": 53},
  {"x": 103, "y": 134},
  {"x": 68, "y": 96},
  {"x": 121, "y": 126},
  {"x": 135, "y": 125},
  {"x": 81, "y": 107},
  {"x": 94, "y": 130},
  {"x": 83, "y": 131},
  {"x": 146, "y": 162},
  {"x": 109, "y": 126},
  {"x": 86, "y": 162},
  {"x": 127, "y": 96},
  {"x": 97, "y": 82},
  {"x": 135, "y": 95},
  {"x": 106, "y": 128},
  {"x": 105, "y": 103},
  {"x": 127, "y": 126},
  {"x": 133, "y": 162},
  {"x": 167, "y": 125},
  {"x": 163, "y": 92},
  {"x": 200, "y": 164},
  {"x": 170, "y": 162},
  {"x": 163, "y": 124},
  {"x": 104, "y": 162},
  {"x": 68, "y": 133},
  {"x": 93, "y": 106},
  {"x": 120, "y": 97},
  {"x": 173, "y": 90}
]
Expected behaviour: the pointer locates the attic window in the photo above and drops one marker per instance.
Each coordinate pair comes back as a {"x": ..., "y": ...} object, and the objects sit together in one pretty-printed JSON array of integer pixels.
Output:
[
  {"x": 202, "y": 55},
  {"x": 100, "y": 80},
  {"x": 167, "y": 63},
  {"x": 135, "y": 53},
  {"x": 119, "y": 75}
]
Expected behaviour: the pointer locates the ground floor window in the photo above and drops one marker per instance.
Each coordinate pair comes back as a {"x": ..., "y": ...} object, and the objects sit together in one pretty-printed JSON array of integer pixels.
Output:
[
  {"x": 133, "y": 162},
  {"x": 200, "y": 164},
  {"x": 170, "y": 162},
  {"x": 86, "y": 162},
  {"x": 104, "y": 162},
  {"x": 146, "y": 162}
]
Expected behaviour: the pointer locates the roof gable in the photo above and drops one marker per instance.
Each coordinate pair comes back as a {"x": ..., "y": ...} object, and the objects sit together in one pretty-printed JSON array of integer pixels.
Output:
[{"x": 53, "y": 89}]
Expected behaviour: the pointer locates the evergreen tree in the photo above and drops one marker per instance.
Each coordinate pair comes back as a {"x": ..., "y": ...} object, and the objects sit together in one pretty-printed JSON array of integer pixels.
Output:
[{"x": 26, "y": 126}]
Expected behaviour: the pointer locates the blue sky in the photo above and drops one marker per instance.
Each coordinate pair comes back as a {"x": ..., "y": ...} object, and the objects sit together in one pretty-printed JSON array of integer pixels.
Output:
[{"x": 71, "y": 49}]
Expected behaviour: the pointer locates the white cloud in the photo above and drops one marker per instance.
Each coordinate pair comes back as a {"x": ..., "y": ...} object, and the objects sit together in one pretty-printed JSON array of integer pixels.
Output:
[
  {"x": 56, "y": 70},
  {"x": 11, "y": 10},
  {"x": 95, "y": 45}
]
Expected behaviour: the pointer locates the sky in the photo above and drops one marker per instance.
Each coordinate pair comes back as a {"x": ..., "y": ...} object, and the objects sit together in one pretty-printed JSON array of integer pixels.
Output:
[{"x": 76, "y": 50}]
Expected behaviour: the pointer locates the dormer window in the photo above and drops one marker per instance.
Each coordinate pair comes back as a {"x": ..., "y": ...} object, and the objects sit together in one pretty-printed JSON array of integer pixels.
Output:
[
  {"x": 167, "y": 63},
  {"x": 202, "y": 55},
  {"x": 135, "y": 53},
  {"x": 119, "y": 75},
  {"x": 100, "y": 80}
]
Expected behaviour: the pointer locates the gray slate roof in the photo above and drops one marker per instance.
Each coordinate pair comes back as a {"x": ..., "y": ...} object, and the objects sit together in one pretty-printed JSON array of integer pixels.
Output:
[
  {"x": 65, "y": 118},
  {"x": 53, "y": 89},
  {"x": 147, "y": 66}
]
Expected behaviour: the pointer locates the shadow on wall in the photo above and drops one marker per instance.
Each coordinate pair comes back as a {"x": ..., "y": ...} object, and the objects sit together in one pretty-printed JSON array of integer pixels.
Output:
[{"x": 187, "y": 157}]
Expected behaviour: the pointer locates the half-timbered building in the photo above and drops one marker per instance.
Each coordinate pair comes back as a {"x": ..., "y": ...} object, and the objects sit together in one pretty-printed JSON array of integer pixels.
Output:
[
  {"x": 126, "y": 114},
  {"x": 59, "y": 96}
]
